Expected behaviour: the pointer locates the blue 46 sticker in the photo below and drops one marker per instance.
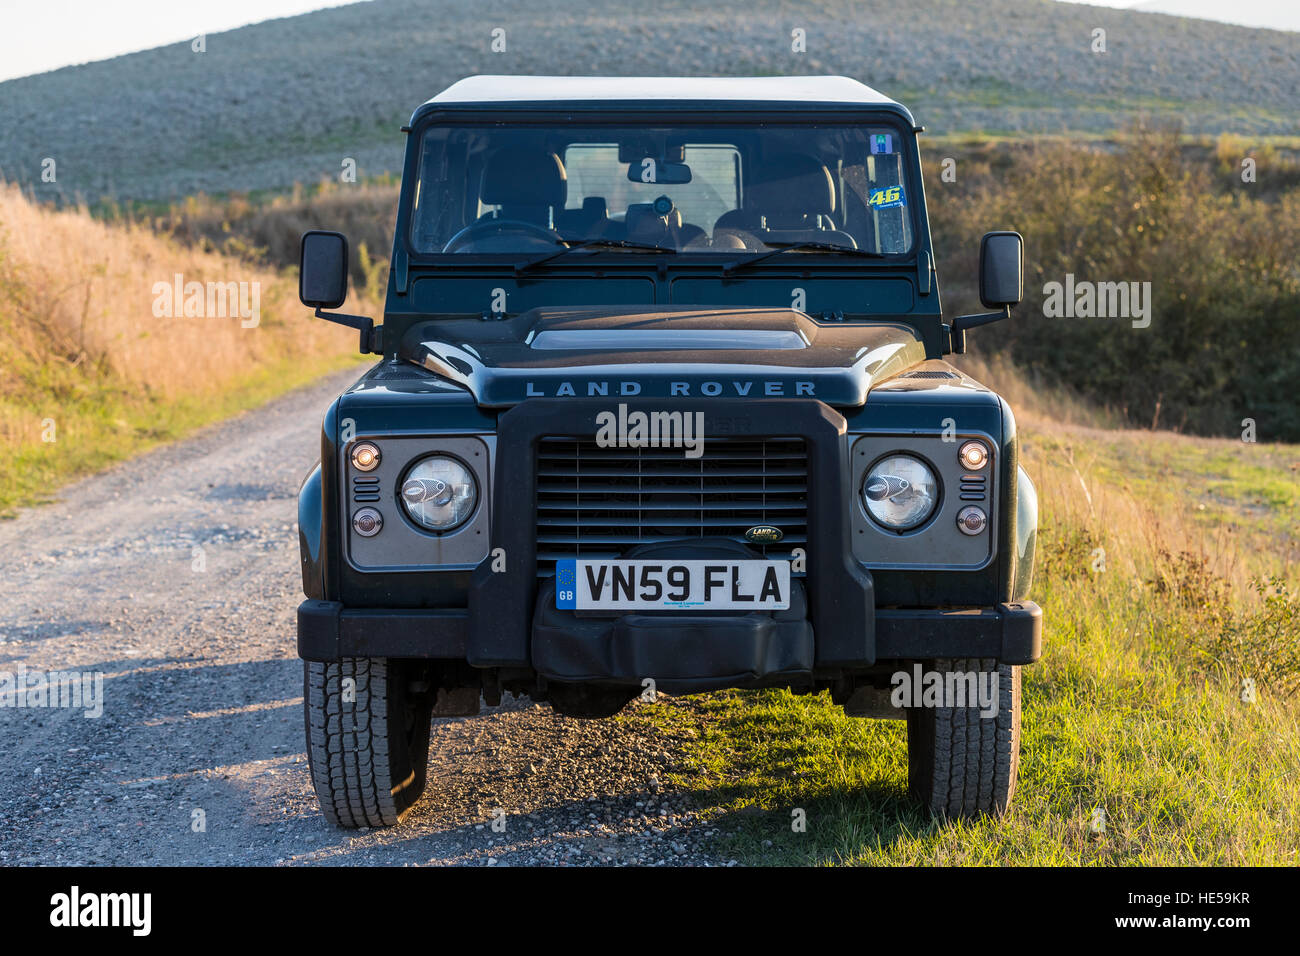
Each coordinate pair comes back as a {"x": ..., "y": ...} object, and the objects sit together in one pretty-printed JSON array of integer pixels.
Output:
[{"x": 886, "y": 197}]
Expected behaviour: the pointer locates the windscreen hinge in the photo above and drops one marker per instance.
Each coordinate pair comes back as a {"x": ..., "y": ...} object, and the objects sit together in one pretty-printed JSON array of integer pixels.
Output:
[{"x": 401, "y": 271}]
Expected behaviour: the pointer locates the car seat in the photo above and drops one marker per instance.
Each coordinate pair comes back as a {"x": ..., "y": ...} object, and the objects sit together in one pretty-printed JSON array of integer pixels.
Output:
[
  {"x": 791, "y": 200},
  {"x": 527, "y": 185}
]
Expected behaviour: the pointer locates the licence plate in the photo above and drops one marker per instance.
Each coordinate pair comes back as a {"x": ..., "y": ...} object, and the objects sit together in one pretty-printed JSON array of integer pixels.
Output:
[{"x": 640, "y": 585}]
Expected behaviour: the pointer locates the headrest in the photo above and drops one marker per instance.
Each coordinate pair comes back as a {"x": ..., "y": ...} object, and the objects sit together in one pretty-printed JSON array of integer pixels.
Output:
[
  {"x": 525, "y": 177},
  {"x": 793, "y": 184}
]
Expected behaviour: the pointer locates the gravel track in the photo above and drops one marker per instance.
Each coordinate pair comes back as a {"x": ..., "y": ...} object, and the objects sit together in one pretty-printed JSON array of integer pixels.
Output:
[{"x": 176, "y": 576}]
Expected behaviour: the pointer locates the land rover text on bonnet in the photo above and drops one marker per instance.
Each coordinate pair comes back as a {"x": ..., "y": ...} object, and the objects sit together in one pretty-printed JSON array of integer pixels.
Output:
[{"x": 662, "y": 404}]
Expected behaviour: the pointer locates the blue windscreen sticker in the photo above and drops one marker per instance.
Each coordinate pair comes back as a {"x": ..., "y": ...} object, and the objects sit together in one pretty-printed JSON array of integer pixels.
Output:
[
  {"x": 886, "y": 197},
  {"x": 882, "y": 143},
  {"x": 566, "y": 582}
]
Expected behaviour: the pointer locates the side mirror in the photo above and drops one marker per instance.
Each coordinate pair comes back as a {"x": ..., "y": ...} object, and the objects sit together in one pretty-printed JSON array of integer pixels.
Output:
[
  {"x": 323, "y": 284},
  {"x": 1002, "y": 269},
  {"x": 1002, "y": 283},
  {"x": 323, "y": 269}
]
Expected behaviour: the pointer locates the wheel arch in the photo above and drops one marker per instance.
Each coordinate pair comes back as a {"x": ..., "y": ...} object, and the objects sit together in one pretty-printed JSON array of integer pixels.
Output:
[{"x": 311, "y": 517}]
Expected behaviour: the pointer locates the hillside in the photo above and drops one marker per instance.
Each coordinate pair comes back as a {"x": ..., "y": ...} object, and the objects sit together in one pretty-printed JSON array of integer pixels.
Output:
[{"x": 287, "y": 100}]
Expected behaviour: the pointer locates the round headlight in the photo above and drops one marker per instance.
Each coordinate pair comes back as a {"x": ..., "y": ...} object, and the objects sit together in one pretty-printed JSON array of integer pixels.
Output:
[
  {"x": 900, "y": 492},
  {"x": 439, "y": 493}
]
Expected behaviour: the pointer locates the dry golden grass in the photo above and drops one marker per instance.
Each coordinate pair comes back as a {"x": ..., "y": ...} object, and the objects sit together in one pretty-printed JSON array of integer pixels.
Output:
[
  {"x": 82, "y": 350},
  {"x": 84, "y": 294},
  {"x": 1145, "y": 497},
  {"x": 1035, "y": 400}
]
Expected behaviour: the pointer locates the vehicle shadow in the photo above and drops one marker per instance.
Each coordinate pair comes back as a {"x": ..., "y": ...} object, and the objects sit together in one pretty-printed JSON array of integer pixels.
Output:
[{"x": 840, "y": 823}]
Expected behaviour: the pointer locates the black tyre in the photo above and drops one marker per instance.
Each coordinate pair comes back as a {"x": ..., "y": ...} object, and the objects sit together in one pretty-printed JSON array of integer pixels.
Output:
[
  {"x": 959, "y": 763},
  {"x": 368, "y": 753}
]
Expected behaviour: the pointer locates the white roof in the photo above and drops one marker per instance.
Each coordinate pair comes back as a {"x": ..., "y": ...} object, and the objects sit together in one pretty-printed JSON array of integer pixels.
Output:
[{"x": 766, "y": 89}]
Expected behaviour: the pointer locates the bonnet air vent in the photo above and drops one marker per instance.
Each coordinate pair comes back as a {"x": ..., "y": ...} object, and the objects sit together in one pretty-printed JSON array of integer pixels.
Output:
[
  {"x": 929, "y": 374},
  {"x": 667, "y": 339}
]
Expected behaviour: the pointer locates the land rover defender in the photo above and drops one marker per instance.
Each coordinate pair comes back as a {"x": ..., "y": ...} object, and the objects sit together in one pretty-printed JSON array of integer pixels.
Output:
[{"x": 662, "y": 404}]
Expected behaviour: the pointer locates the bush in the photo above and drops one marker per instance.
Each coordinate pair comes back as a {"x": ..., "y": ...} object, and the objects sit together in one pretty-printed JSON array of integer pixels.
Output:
[
  {"x": 1066, "y": 554},
  {"x": 267, "y": 231},
  {"x": 1221, "y": 256},
  {"x": 1262, "y": 645},
  {"x": 1187, "y": 579}
]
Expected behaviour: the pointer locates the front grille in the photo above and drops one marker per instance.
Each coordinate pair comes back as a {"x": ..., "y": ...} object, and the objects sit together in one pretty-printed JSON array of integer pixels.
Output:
[{"x": 595, "y": 502}]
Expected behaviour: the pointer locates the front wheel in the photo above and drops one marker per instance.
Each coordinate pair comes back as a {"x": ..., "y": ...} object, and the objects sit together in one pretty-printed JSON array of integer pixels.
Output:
[
  {"x": 961, "y": 763},
  {"x": 368, "y": 723}
]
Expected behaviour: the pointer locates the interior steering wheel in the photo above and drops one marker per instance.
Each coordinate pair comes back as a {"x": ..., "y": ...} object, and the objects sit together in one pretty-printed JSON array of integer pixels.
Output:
[{"x": 483, "y": 234}]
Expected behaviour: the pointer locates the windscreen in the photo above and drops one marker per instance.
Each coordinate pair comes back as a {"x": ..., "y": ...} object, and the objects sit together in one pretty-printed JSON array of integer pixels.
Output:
[{"x": 496, "y": 189}]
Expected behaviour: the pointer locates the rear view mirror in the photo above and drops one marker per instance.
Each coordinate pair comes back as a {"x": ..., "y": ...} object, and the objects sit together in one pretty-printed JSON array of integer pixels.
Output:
[
  {"x": 1002, "y": 269},
  {"x": 323, "y": 269},
  {"x": 651, "y": 170}
]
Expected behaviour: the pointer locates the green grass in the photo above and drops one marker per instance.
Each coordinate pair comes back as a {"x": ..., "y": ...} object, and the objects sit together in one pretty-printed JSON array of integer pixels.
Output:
[
  {"x": 1250, "y": 490},
  {"x": 99, "y": 421},
  {"x": 1133, "y": 709}
]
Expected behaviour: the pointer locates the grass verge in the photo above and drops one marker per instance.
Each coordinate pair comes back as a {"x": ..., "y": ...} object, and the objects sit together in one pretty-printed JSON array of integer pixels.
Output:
[
  {"x": 108, "y": 422},
  {"x": 1138, "y": 745}
]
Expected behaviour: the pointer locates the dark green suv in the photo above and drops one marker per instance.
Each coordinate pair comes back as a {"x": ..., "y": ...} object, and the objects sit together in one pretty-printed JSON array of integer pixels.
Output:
[{"x": 662, "y": 405}]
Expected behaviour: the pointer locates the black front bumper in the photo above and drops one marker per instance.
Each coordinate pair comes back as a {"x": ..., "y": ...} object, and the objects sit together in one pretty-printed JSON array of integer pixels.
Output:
[
  {"x": 832, "y": 629},
  {"x": 695, "y": 651}
]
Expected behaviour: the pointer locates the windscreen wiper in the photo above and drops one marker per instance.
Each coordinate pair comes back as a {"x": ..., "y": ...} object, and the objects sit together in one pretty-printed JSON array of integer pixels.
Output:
[
  {"x": 782, "y": 247},
  {"x": 521, "y": 268}
]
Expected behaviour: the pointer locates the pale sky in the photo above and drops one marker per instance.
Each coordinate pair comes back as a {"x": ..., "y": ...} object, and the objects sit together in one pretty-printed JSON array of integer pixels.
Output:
[
  {"x": 41, "y": 35},
  {"x": 1274, "y": 14}
]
